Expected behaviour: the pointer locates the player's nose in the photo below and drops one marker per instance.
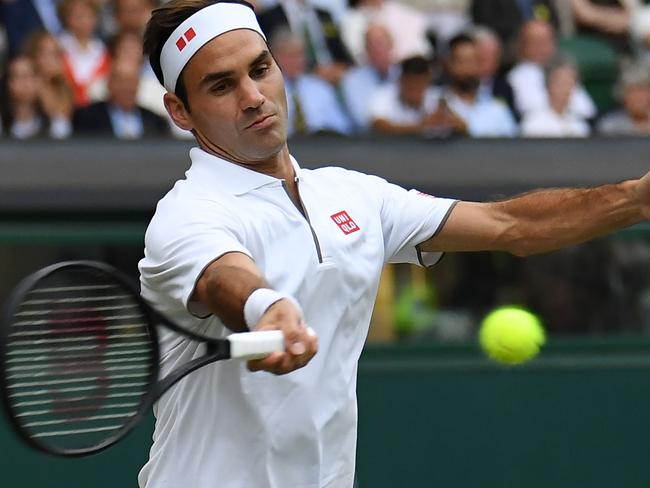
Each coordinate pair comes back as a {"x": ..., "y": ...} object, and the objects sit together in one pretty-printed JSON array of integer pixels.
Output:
[{"x": 250, "y": 95}]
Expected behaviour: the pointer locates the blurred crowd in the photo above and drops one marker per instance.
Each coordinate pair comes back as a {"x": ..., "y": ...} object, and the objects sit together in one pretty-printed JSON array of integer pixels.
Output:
[{"x": 437, "y": 68}]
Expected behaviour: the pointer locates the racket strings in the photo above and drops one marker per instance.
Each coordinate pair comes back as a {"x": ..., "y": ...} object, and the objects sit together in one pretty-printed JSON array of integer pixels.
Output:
[{"x": 78, "y": 360}]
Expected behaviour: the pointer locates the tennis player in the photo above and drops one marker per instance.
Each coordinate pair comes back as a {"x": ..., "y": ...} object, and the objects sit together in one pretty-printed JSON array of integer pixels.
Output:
[{"x": 249, "y": 240}]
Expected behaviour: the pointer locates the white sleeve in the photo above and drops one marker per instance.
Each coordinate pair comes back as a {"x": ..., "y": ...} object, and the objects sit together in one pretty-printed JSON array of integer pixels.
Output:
[
  {"x": 409, "y": 218},
  {"x": 180, "y": 246}
]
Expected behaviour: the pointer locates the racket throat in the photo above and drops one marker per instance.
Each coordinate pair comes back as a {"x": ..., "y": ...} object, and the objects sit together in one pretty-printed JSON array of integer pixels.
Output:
[{"x": 214, "y": 351}]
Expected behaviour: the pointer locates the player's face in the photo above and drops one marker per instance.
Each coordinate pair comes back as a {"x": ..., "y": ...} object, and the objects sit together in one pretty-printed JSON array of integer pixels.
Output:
[{"x": 236, "y": 96}]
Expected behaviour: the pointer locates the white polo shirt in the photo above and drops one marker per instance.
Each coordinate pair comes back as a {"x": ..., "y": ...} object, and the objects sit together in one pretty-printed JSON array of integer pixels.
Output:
[{"x": 223, "y": 425}]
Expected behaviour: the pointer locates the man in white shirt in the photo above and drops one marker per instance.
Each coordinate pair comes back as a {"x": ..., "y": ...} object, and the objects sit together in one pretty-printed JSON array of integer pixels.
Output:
[
  {"x": 484, "y": 115},
  {"x": 360, "y": 83},
  {"x": 556, "y": 120},
  {"x": 407, "y": 27},
  {"x": 537, "y": 48},
  {"x": 412, "y": 106},
  {"x": 459, "y": 107},
  {"x": 312, "y": 102},
  {"x": 248, "y": 229}
]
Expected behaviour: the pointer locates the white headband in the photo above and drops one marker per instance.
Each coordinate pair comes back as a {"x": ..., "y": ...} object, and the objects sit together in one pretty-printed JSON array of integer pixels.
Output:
[{"x": 198, "y": 30}]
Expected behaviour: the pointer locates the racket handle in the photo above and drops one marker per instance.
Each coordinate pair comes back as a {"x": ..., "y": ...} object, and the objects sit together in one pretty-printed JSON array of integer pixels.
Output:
[{"x": 255, "y": 345}]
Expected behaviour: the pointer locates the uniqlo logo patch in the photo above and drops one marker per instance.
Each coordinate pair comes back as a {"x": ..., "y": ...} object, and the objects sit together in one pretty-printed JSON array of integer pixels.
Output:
[
  {"x": 345, "y": 223},
  {"x": 185, "y": 38}
]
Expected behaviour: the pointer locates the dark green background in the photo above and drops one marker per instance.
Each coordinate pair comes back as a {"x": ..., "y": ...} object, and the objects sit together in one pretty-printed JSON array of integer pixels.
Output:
[{"x": 443, "y": 416}]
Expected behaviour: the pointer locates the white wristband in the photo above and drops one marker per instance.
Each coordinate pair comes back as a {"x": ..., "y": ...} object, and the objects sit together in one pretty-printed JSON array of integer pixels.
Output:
[{"x": 259, "y": 302}]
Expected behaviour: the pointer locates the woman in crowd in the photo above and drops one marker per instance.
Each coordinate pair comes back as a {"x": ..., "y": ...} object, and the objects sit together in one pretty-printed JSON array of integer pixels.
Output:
[
  {"x": 556, "y": 119},
  {"x": 634, "y": 116},
  {"x": 22, "y": 111},
  {"x": 86, "y": 57},
  {"x": 54, "y": 92}
]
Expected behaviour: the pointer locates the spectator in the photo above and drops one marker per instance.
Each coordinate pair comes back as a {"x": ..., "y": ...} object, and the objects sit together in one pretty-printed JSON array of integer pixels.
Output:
[
  {"x": 128, "y": 46},
  {"x": 312, "y": 103},
  {"x": 483, "y": 115},
  {"x": 411, "y": 106},
  {"x": 407, "y": 27},
  {"x": 634, "y": 118},
  {"x": 132, "y": 15},
  {"x": 120, "y": 115},
  {"x": 609, "y": 19},
  {"x": 22, "y": 17},
  {"x": 557, "y": 120},
  {"x": 640, "y": 29},
  {"x": 23, "y": 116},
  {"x": 506, "y": 17},
  {"x": 537, "y": 48},
  {"x": 54, "y": 92},
  {"x": 360, "y": 83},
  {"x": 327, "y": 55},
  {"x": 494, "y": 82},
  {"x": 86, "y": 57}
]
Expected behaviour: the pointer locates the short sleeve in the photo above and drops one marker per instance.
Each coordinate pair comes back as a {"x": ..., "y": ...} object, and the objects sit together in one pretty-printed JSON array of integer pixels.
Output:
[
  {"x": 179, "y": 246},
  {"x": 409, "y": 218}
]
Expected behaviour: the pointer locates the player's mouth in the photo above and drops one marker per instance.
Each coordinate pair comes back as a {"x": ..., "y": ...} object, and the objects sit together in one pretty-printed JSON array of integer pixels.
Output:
[{"x": 262, "y": 122}]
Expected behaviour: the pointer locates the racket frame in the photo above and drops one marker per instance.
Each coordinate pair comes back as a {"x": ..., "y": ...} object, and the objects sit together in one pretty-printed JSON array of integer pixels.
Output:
[{"x": 216, "y": 349}]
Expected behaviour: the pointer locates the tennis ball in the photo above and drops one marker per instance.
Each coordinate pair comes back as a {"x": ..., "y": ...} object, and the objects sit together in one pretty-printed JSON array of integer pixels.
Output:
[{"x": 511, "y": 335}]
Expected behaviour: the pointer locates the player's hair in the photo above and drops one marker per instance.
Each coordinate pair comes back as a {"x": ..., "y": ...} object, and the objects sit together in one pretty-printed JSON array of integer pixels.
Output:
[
  {"x": 164, "y": 20},
  {"x": 416, "y": 65}
]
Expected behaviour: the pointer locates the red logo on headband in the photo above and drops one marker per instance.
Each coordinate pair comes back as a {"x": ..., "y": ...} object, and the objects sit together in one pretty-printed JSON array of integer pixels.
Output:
[{"x": 185, "y": 39}]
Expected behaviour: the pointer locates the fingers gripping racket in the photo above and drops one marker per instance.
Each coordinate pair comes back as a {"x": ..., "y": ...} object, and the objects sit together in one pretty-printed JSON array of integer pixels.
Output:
[{"x": 79, "y": 357}]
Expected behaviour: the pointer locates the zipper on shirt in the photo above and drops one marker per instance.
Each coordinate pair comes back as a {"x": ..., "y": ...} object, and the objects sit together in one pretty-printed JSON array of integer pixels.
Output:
[{"x": 303, "y": 211}]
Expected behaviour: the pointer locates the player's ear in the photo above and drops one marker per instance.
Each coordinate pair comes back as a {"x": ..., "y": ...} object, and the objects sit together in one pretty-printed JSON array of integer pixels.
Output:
[{"x": 177, "y": 111}]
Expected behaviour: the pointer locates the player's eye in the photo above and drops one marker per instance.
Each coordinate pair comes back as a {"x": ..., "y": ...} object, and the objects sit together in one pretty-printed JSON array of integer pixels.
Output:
[
  {"x": 221, "y": 87},
  {"x": 260, "y": 71}
]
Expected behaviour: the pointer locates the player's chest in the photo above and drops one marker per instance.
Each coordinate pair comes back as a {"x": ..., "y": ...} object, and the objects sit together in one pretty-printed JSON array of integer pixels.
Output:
[{"x": 321, "y": 229}]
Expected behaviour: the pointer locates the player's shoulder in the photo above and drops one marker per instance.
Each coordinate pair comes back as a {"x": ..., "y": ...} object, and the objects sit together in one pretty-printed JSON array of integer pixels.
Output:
[
  {"x": 184, "y": 206},
  {"x": 344, "y": 178}
]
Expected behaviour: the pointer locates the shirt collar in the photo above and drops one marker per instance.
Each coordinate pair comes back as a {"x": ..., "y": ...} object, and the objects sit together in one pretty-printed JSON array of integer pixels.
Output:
[{"x": 227, "y": 176}]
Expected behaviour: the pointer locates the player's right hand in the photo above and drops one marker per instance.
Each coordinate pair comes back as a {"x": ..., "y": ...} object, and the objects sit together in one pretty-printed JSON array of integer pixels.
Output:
[{"x": 301, "y": 343}]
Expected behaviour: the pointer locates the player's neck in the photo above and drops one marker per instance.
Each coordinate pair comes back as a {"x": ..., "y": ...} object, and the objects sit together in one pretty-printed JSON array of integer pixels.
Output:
[{"x": 278, "y": 165}]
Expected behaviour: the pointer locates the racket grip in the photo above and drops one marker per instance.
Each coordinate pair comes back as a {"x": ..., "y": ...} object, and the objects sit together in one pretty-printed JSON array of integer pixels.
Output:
[{"x": 255, "y": 345}]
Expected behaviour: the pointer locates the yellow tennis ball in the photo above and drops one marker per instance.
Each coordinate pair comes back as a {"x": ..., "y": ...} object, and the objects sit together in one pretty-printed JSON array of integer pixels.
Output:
[{"x": 511, "y": 335}]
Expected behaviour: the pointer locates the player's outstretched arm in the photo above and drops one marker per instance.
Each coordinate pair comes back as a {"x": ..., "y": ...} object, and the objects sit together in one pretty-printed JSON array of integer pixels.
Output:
[
  {"x": 225, "y": 286},
  {"x": 543, "y": 220}
]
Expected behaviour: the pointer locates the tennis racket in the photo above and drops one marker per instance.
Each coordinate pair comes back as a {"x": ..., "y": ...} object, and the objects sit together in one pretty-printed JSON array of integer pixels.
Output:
[{"x": 80, "y": 360}]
